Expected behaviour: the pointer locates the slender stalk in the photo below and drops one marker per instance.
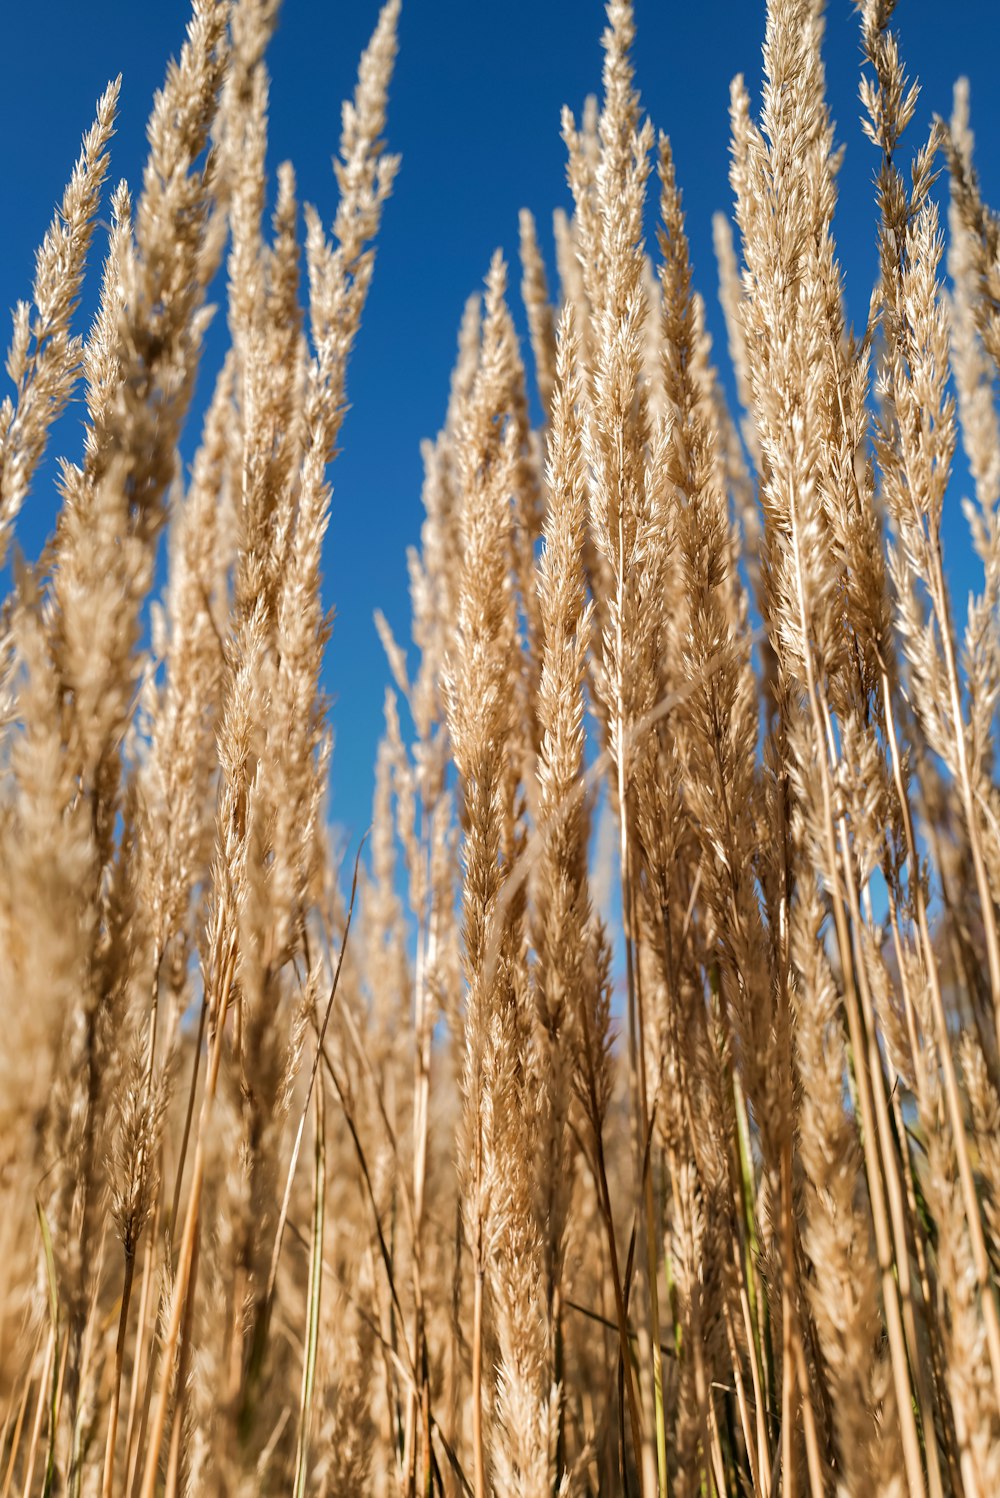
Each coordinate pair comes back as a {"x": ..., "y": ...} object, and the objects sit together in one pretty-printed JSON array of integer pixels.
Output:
[
  {"x": 180, "y": 1404},
  {"x": 188, "y": 1118},
  {"x": 51, "y": 1351},
  {"x": 421, "y": 1119},
  {"x": 637, "y": 1053},
  {"x": 621, "y": 1312},
  {"x": 987, "y": 908},
  {"x": 15, "y": 1439},
  {"x": 116, "y": 1386},
  {"x": 185, "y": 1264},
  {"x": 139, "y": 1380},
  {"x": 478, "y": 1461},
  {"x": 313, "y": 1304},
  {"x": 300, "y": 1131}
]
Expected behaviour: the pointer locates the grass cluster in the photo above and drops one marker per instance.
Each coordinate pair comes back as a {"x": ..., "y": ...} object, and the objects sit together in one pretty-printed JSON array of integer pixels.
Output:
[{"x": 432, "y": 1180}]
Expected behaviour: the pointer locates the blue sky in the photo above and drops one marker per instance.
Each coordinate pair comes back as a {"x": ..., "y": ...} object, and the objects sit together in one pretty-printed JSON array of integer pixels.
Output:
[{"x": 475, "y": 113}]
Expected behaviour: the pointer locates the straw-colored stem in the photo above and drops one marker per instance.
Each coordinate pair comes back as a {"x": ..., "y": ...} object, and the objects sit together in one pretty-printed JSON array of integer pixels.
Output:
[
  {"x": 116, "y": 1386},
  {"x": 313, "y": 1303},
  {"x": 185, "y": 1264}
]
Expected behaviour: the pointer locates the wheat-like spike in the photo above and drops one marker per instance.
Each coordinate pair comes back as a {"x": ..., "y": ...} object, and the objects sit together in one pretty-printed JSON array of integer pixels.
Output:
[{"x": 44, "y": 358}]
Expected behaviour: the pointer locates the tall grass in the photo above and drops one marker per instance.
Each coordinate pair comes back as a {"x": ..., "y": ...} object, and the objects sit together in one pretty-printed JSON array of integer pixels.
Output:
[{"x": 525, "y": 1161}]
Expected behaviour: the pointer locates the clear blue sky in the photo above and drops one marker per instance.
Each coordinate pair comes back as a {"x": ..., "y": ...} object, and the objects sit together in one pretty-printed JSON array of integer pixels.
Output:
[{"x": 475, "y": 113}]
